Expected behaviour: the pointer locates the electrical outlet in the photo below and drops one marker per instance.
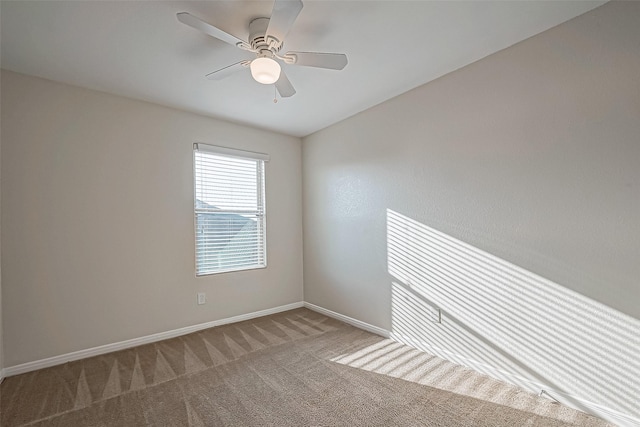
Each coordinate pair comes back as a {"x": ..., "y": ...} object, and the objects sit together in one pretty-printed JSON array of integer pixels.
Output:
[{"x": 202, "y": 298}]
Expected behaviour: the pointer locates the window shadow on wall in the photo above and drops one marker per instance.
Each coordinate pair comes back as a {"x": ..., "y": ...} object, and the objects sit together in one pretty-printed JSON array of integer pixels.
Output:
[{"x": 463, "y": 304}]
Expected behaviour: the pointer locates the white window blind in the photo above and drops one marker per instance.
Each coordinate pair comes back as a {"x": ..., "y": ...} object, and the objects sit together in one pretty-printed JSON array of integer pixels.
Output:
[{"x": 229, "y": 209}]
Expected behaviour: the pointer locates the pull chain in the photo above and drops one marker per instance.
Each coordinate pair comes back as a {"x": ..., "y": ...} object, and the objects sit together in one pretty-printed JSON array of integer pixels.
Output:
[{"x": 275, "y": 95}]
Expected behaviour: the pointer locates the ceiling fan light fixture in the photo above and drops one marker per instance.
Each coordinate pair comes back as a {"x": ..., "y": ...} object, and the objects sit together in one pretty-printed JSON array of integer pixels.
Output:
[
  {"x": 266, "y": 38},
  {"x": 265, "y": 70}
]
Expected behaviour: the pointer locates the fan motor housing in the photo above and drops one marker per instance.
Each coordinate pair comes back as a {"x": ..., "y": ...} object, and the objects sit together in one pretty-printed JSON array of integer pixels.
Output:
[{"x": 257, "y": 37}]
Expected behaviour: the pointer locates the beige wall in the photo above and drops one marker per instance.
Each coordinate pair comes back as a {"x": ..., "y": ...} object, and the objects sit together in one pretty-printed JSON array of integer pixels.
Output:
[
  {"x": 505, "y": 194},
  {"x": 97, "y": 220},
  {"x": 1, "y": 336}
]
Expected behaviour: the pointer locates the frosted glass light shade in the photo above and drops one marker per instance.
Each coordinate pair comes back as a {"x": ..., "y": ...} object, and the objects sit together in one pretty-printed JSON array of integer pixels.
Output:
[{"x": 265, "y": 70}]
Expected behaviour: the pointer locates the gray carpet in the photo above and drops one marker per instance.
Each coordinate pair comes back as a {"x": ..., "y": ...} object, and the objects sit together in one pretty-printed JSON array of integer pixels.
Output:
[{"x": 297, "y": 368}]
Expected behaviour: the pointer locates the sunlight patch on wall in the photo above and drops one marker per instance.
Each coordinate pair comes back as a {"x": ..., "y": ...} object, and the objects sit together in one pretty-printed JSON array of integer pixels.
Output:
[{"x": 501, "y": 319}]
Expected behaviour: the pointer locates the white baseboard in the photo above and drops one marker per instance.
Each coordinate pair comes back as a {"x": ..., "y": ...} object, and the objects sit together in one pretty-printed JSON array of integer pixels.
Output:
[
  {"x": 108, "y": 348},
  {"x": 346, "y": 319},
  {"x": 607, "y": 414}
]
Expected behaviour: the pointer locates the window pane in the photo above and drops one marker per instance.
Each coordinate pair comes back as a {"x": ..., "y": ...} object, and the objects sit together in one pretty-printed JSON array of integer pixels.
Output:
[
  {"x": 229, "y": 213},
  {"x": 226, "y": 182}
]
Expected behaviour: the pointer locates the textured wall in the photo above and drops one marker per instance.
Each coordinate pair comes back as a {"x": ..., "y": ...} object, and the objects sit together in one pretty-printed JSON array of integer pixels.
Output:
[
  {"x": 506, "y": 195},
  {"x": 97, "y": 220}
]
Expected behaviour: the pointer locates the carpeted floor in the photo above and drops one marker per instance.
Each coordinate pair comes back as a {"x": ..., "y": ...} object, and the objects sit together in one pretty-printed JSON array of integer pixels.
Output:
[{"x": 297, "y": 368}]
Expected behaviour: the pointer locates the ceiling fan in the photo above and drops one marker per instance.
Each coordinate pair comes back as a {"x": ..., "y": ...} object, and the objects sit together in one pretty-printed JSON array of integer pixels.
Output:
[{"x": 266, "y": 38}]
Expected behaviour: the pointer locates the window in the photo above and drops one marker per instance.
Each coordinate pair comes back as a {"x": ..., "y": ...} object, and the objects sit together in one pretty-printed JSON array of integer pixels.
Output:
[{"x": 229, "y": 209}]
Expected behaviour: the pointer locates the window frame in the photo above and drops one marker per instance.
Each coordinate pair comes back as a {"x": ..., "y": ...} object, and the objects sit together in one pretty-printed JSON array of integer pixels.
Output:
[{"x": 261, "y": 213}]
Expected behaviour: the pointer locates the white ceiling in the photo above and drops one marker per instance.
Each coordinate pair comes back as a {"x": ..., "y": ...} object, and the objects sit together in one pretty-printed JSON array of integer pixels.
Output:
[{"x": 139, "y": 49}]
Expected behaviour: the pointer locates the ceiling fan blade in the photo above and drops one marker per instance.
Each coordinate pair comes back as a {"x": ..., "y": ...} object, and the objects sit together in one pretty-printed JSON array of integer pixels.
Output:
[
  {"x": 198, "y": 24},
  {"x": 333, "y": 61},
  {"x": 282, "y": 18},
  {"x": 228, "y": 70},
  {"x": 284, "y": 86}
]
